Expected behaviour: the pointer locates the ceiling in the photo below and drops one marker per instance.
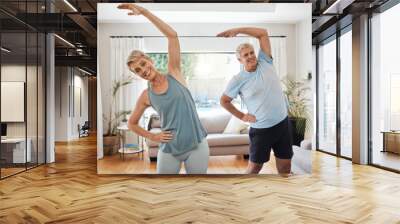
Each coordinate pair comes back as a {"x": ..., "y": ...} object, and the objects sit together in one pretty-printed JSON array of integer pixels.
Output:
[{"x": 23, "y": 49}]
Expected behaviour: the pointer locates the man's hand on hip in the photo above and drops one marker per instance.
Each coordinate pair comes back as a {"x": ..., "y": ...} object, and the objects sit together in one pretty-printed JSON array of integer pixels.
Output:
[{"x": 248, "y": 118}]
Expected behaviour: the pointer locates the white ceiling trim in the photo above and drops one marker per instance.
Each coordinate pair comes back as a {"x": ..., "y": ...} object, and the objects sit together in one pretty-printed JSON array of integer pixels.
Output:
[{"x": 210, "y": 13}]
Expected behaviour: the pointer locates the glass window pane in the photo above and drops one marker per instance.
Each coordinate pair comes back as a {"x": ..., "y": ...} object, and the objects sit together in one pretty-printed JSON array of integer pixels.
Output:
[
  {"x": 14, "y": 153},
  {"x": 327, "y": 97},
  {"x": 346, "y": 94},
  {"x": 209, "y": 75},
  {"x": 22, "y": 88},
  {"x": 31, "y": 97},
  {"x": 386, "y": 89}
]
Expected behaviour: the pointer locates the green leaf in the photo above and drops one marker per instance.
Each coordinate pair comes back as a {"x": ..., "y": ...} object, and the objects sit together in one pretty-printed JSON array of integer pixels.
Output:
[{"x": 296, "y": 92}]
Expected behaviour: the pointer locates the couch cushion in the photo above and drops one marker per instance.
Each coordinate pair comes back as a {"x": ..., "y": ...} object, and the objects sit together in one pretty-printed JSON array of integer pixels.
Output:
[
  {"x": 151, "y": 143},
  {"x": 245, "y": 131},
  {"x": 306, "y": 144},
  {"x": 301, "y": 161},
  {"x": 215, "y": 122},
  {"x": 213, "y": 139},
  {"x": 227, "y": 139},
  {"x": 235, "y": 126},
  {"x": 154, "y": 122}
]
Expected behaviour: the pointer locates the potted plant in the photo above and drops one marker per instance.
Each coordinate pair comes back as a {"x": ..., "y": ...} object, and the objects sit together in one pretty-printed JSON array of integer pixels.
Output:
[
  {"x": 299, "y": 115},
  {"x": 111, "y": 141}
]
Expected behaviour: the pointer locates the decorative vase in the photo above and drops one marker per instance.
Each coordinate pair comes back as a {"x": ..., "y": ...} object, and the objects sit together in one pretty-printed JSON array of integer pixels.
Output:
[
  {"x": 298, "y": 128},
  {"x": 111, "y": 144}
]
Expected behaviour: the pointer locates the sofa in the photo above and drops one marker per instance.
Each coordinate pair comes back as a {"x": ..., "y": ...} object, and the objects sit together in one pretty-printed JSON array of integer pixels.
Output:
[{"x": 220, "y": 143}]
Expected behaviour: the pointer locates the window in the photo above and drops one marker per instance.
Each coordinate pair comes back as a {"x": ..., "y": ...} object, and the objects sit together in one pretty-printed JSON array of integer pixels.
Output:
[
  {"x": 385, "y": 89},
  {"x": 394, "y": 101},
  {"x": 207, "y": 76},
  {"x": 327, "y": 97},
  {"x": 22, "y": 65},
  {"x": 346, "y": 94}
]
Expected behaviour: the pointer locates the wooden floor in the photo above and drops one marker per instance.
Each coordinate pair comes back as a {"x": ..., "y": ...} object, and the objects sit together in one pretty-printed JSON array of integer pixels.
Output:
[
  {"x": 10, "y": 171},
  {"x": 70, "y": 191},
  {"x": 387, "y": 159},
  {"x": 136, "y": 164}
]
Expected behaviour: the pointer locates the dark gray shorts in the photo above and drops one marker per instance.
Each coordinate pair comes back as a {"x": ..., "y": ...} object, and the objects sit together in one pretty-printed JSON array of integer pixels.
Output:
[{"x": 278, "y": 137}]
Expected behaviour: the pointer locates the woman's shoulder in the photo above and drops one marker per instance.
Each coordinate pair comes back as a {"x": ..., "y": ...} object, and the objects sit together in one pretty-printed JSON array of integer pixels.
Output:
[{"x": 177, "y": 77}]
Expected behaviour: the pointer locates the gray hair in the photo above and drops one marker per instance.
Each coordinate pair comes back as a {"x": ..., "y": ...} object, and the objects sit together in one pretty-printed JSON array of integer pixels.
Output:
[
  {"x": 135, "y": 55},
  {"x": 241, "y": 47}
]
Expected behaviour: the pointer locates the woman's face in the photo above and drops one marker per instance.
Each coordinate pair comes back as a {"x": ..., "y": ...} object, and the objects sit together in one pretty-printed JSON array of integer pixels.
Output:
[{"x": 144, "y": 68}]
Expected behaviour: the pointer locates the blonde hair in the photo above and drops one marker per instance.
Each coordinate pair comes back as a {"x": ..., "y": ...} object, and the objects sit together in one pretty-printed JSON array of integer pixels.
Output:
[
  {"x": 241, "y": 47},
  {"x": 136, "y": 55}
]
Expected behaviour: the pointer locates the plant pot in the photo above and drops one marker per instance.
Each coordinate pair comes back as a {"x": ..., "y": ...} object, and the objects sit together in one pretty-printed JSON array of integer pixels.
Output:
[
  {"x": 298, "y": 128},
  {"x": 111, "y": 144}
]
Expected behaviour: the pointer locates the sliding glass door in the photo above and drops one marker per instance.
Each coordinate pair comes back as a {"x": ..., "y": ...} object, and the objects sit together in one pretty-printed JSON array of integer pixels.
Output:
[
  {"x": 346, "y": 93},
  {"x": 327, "y": 96},
  {"x": 385, "y": 89},
  {"x": 334, "y": 133},
  {"x": 22, "y": 76},
  {"x": 13, "y": 94}
]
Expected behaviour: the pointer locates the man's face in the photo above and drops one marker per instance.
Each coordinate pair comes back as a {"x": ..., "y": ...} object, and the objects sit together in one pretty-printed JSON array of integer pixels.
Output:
[
  {"x": 143, "y": 68},
  {"x": 248, "y": 59}
]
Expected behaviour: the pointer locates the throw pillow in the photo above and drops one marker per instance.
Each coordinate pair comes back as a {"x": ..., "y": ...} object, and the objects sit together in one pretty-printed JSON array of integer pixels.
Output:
[{"x": 235, "y": 125}]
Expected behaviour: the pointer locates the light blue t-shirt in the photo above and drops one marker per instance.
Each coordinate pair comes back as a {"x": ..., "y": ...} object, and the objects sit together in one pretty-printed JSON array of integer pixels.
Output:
[{"x": 261, "y": 92}]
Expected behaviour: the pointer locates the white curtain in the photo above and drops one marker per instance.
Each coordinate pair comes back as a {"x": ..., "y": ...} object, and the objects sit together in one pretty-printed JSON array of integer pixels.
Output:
[
  {"x": 100, "y": 152},
  {"x": 121, "y": 47},
  {"x": 278, "y": 50}
]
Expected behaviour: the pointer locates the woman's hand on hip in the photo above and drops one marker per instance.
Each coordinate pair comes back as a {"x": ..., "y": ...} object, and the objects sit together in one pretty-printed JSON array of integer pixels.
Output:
[{"x": 164, "y": 136}]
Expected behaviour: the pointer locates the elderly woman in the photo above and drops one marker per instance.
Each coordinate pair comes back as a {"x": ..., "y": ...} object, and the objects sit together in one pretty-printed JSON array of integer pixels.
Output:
[{"x": 182, "y": 139}]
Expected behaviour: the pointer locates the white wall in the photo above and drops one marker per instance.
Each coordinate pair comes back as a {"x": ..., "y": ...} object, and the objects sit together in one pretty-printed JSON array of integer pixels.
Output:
[
  {"x": 14, "y": 73},
  {"x": 304, "y": 49},
  {"x": 304, "y": 64},
  {"x": 80, "y": 118},
  {"x": 61, "y": 103},
  {"x": 66, "y": 120},
  {"x": 33, "y": 126},
  {"x": 17, "y": 73}
]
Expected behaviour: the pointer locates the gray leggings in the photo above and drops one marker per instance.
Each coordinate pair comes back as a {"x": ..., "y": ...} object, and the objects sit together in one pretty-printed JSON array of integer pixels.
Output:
[{"x": 196, "y": 161}]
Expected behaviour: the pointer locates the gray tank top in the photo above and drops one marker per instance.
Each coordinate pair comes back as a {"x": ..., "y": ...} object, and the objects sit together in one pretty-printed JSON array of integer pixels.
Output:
[{"x": 178, "y": 114}]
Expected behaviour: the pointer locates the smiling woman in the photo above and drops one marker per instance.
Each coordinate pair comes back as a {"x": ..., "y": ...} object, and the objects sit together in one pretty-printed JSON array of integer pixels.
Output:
[{"x": 182, "y": 137}]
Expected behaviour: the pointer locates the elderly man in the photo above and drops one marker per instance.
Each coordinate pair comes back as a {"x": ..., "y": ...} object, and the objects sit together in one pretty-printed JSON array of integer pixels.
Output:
[{"x": 260, "y": 89}]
